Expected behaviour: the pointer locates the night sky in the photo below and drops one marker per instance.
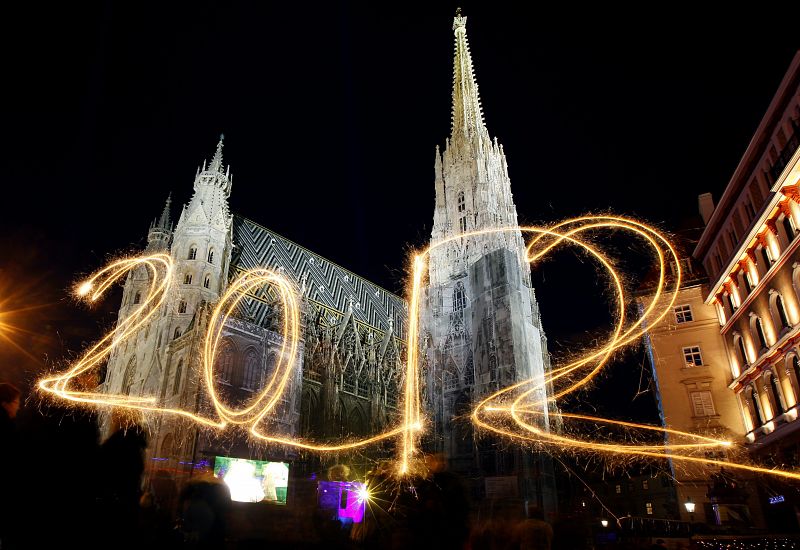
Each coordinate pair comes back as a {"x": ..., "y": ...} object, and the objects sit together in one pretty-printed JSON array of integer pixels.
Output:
[{"x": 331, "y": 116}]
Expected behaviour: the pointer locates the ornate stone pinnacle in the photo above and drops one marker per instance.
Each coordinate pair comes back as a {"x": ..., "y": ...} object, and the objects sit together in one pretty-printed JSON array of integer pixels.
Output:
[
  {"x": 459, "y": 22},
  {"x": 216, "y": 162}
]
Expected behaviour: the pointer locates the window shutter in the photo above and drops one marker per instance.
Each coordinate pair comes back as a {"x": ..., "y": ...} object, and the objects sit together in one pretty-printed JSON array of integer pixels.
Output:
[{"x": 702, "y": 403}]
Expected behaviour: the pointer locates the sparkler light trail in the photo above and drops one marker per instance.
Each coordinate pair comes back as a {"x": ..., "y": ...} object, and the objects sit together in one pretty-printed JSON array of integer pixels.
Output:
[{"x": 517, "y": 412}]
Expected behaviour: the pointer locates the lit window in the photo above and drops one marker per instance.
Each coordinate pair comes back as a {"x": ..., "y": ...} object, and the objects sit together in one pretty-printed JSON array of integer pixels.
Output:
[
  {"x": 645, "y": 484},
  {"x": 782, "y": 312},
  {"x": 683, "y": 314},
  {"x": 649, "y": 507},
  {"x": 187, "y": 279},
  {"x": 742, "y": 352},
  {"x": 192, "y": 253},
  {"x": 789, "y": 227},
  {"x": 731, "y": 303},
  {"x": 702, "y": 403},
  {"x": 748, "y": 282},
  {"x": 767, "y": 255},
  {"x": 692, "y": 356},
  {"x": 618, "y": 489},
  {"x": 762, "y": 339}
]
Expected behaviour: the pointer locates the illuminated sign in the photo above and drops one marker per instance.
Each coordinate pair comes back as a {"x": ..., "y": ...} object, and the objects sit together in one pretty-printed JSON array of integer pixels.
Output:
[{"x": 776, "y": 499}]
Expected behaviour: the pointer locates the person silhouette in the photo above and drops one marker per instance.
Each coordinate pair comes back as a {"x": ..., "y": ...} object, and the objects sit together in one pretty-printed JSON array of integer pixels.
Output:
[{"x": 122, "y": 462}]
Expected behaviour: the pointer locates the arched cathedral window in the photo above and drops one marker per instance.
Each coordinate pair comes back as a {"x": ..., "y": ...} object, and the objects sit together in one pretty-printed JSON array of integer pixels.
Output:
[
  {"x": 207, "y": 281},
  {"x": 459, "y": 298},
  {"x": 187, "y": 279},
  {"x": 225, "y": 362},
  {"x": 178, "y": 332},
  {"x": 137, "y": 298},
  {"x": 127, "y": 381},
  {"x": 211, "y": 256},
  {"x": 461, "y": 204},
  {"x": 250, "y": 381},
  {"x": 178, "y": 372},
  {"x": 182, "y": 306},
  {"x": 192, "y": 253}
]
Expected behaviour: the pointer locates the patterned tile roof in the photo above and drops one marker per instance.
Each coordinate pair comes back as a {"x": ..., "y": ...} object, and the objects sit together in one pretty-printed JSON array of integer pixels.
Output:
[{"x": 328, "y": 284}]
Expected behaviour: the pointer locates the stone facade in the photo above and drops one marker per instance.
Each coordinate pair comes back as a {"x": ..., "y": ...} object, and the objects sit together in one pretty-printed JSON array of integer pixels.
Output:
[
  {"x": 690, "y": 370},
  {"x": 350, "y": 356},
  {"x": 480, "y": 318}
]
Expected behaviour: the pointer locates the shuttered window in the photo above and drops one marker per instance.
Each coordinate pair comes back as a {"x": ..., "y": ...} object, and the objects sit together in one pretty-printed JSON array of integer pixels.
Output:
[{"x": 702, "y": 404}]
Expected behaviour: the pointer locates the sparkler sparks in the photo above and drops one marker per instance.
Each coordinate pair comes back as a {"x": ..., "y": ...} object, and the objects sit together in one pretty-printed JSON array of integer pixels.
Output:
[{"x": 517, "y": 412}]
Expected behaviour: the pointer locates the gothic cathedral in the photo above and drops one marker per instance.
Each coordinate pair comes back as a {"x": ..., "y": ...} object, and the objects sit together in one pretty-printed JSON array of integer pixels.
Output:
[{"x": 480, "y": 319}]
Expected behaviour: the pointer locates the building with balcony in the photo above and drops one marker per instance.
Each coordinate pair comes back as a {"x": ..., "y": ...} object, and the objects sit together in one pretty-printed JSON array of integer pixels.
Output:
[{"x": 751, "y": 252}]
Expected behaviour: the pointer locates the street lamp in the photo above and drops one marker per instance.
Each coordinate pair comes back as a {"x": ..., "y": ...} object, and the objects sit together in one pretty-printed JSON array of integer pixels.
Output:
[
  {"x": 689, "y": 505},
  {"x": 604, "y": 522}
]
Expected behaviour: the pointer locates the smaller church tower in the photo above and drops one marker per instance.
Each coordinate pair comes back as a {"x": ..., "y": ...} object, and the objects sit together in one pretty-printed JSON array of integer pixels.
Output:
[
  {"x": 127, "y": 366},
  {"x": 160, "y": 233}
]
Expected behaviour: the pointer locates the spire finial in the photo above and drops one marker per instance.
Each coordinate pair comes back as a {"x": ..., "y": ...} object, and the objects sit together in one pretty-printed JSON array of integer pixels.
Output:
[{"x": 216, "y": 162}]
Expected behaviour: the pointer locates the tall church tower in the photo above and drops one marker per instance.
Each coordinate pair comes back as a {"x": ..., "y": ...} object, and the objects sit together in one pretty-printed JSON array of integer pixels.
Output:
[
  {"x": 201, "y": 246},
  {"x": 480, "y": 315}
]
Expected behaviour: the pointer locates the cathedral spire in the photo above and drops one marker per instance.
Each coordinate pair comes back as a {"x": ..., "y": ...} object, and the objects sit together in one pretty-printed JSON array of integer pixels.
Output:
[
  {"x": 216, "y": 162},
  {"x": 164, "y": 220},
  {"x": 160, "y": 234},
  {"x": 467, "y": 114}
]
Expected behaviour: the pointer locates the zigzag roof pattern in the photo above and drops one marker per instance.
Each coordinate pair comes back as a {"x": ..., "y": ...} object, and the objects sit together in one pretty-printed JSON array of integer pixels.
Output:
[{"x": 327, "y": 284}]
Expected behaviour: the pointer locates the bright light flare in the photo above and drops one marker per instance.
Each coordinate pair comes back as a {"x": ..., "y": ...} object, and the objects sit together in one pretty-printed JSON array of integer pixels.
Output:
[{"x": 83, "y": 289}]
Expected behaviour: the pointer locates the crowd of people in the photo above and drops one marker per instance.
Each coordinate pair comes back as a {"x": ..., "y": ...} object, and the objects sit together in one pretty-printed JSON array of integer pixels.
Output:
[{"x": 63, "y": 485}]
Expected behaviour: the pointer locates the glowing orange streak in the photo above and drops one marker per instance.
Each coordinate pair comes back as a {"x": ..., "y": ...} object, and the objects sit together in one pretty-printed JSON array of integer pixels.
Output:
[
  {"x": 99, "y": 283},
  {"x": 248, "y": 282},
  {"x": 633, "y": 451},
  {"x": 411, "y": 398},
  {"x": 539, "y": 436},
  {"x": 411, "y": 423}
]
